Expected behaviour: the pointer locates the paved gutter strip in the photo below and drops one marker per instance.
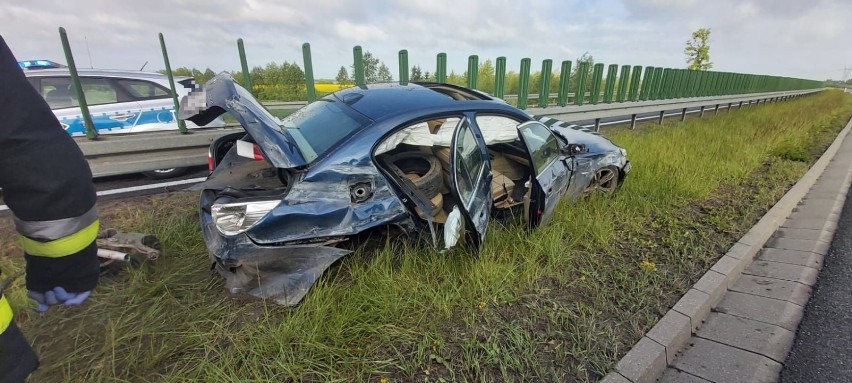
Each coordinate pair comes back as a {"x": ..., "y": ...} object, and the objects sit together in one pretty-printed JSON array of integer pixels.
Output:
[{"x": 756, "y": 292}]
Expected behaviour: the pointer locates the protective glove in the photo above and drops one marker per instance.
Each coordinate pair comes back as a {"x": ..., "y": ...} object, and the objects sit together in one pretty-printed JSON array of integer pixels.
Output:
[{"x": 57, "y": 296}]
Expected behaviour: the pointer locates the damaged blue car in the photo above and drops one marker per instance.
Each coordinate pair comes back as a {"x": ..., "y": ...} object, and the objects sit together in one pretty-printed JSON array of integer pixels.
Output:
[{"x": 425, "y": 159}]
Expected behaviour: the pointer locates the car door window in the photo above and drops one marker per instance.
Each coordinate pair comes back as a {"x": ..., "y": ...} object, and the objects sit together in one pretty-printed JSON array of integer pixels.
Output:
[
  {"x": 469, "y": 164},
  {"x": 542, "y": 144},
  {"x": 57, "y": 92},
  {"x": 99, "y": 91},
  {"x": 144, "y": 90}
]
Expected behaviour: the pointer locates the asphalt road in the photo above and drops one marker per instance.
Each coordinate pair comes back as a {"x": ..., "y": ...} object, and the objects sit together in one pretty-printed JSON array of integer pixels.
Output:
[{"x": 822, "y": 351}]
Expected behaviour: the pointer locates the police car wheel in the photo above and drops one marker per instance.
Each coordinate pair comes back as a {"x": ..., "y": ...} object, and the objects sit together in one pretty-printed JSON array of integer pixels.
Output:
[{"x": 161, "y": 174}]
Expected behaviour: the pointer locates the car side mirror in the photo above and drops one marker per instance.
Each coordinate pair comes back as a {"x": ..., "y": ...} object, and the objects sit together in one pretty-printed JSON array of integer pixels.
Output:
[{"x": 574, "y": 149}]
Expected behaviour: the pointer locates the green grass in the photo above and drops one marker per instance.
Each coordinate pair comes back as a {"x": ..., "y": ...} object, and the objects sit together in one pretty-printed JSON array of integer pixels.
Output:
[{"x": 559, "y": 303}]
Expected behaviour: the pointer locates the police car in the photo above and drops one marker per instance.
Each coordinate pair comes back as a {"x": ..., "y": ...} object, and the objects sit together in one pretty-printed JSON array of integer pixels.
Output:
[{"x": 119, "y": 101}]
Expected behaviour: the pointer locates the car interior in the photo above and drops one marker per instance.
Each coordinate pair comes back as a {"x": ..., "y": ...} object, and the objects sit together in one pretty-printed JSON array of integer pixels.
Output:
[{"x": 418, "y": 156}]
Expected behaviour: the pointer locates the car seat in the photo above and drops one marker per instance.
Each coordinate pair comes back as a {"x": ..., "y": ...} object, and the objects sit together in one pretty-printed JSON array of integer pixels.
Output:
[{"x": 61, "y": 97}]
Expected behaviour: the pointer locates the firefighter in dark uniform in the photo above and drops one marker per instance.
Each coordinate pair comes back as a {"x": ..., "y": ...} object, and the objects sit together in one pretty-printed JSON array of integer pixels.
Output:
[{"x": 47, "y": 185}]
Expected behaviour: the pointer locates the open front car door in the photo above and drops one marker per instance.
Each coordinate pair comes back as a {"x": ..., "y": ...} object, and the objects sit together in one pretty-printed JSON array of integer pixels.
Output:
[
  {"x": 552, "y": 169},
  {"x": 470, "y": 184}
]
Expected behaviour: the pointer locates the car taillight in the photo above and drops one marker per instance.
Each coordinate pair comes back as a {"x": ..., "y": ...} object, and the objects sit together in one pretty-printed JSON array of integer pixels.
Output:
[{"x": 249, "y": 150}]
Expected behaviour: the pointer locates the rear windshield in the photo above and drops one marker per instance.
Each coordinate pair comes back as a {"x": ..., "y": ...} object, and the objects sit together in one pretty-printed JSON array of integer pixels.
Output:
[{"x": 322, "y": 124}]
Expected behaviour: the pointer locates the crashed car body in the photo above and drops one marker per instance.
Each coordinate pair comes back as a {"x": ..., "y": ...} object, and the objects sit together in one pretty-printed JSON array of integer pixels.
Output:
[{"x": 427, "y": 158}]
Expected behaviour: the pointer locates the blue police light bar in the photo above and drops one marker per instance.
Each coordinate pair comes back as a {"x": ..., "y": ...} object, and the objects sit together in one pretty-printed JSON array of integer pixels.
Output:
[{"x": 39, "y": 64}]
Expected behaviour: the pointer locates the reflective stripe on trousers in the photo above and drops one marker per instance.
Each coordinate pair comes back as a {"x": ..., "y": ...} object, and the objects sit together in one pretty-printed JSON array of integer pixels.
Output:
[
  {"x": 63, "y": 246},
  {"x": 5, "y": 314}
]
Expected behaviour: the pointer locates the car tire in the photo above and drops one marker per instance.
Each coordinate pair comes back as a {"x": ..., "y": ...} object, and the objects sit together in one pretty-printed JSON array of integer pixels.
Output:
[
  {"x": 423, "y": 169},
  {"x": 162, "y": 174},
  {"x": 605, "y": 182}
]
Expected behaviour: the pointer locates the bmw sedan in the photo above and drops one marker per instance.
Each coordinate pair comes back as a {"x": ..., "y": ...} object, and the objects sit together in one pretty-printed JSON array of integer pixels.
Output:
[{"x": 424, "y": 159}]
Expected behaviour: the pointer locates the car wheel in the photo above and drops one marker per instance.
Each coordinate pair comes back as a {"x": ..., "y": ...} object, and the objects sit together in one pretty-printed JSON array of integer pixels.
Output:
[
  {"x": 605, "y": 181},
  {"x": 423, "y": 169},
  {"x": 161, "y": 174}
]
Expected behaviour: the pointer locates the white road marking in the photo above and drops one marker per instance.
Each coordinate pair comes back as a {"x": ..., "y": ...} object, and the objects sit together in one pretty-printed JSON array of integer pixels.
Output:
[{"x": 138, "y": 188}]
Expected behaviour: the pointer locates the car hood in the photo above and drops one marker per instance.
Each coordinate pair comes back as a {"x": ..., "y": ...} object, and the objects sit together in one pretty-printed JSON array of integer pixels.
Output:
[{"x": 222, "y": 94}]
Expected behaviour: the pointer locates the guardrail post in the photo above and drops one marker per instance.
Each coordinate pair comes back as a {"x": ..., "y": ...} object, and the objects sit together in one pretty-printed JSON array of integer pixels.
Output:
[
  {"x": 647, "y": 81},
  {"x": 597, "y": 76},
  {"x": 524, "y": 83},
  {"x": 702, "y": 112},
  {"x": 403, "y": 67},
  {"x": 609, "y": 89},
  {"x": 662, "y": 116},
  {"x": 180, "y": 123},
  {"x": 441, "y": 71},
  {"x": 358, "y": 56},
  {"x": 244, "y": 64},
  {"x": 580, "y": 92},
  {"x": 500, "y": 78},
  {"x": 623, "y": 81},
  {"x": 310, "y": 87},
  {"x": 716, "y": 110},
  {"x": 564, "y": 81},
  {"x": 91, "y": 132},
  {"x": 634, "y": 83},
  {"x": 683, "y": 115},
  {"x": 472, "y": 71},
  {"x": 544, "y": 85},
  {"x": 632, "y": 121}
]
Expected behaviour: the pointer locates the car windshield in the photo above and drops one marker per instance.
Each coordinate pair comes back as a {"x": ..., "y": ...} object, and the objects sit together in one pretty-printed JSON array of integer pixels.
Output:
[{"x": 320, "y": 125}]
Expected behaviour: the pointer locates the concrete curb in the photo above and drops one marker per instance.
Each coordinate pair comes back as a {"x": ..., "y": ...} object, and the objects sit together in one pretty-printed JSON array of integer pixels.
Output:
[{"x": 648, "y": 359}]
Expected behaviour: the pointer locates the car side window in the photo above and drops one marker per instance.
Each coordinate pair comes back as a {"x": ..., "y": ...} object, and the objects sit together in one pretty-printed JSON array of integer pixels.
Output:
[
  {"x": 542, "y": 145},
  {"x": 98, "y": 91},
  {"x": 469, "y": 163},
  {"x": 144, "y": 90},
  {"x": 59, "y": 93}
]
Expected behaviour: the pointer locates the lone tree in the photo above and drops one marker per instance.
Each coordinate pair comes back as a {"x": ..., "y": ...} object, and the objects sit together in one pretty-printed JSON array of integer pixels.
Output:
[
  {"x": 343, "y": 76},
  {"x": 698, "y": 50}
]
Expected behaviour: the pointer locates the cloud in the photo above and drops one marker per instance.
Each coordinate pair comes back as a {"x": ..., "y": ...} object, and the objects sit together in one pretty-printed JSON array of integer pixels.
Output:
[
  {"x": 348, "y": 30},
  {"x": 786, "y": 37}
]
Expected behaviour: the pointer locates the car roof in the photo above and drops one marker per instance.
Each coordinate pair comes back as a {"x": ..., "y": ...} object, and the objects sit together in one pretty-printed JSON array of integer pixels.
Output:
[
  {"x": 377, "y": 101},
  {"x": 100, "y": 73}
]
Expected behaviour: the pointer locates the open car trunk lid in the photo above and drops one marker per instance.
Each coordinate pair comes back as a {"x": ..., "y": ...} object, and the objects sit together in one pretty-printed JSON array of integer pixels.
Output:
[{"x": 222, "y": 94}]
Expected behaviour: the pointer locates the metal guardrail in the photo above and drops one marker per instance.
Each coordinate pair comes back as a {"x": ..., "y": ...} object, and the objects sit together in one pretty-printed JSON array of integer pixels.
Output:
[
  {"x": 599, "y": 111},
  {"x": 133, "y": 153},
  {"x": 130, "y": 153}
]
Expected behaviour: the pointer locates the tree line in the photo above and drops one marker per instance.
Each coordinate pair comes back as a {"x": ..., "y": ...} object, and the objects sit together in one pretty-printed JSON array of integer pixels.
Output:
[{"x": 286, "y": 81}]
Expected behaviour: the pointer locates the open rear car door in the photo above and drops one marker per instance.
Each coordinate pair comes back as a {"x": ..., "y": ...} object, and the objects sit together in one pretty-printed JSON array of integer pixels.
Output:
[
  {"x": 552, "y": 169},
  {"x": 470, "y": 184}
]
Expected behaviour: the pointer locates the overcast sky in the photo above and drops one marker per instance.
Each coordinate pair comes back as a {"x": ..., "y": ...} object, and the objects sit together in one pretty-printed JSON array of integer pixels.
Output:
[{"x": 797, "y": 38}]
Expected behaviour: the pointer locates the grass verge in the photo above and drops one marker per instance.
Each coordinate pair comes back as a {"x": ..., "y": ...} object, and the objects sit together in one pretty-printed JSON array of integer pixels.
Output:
[{"x": 563, "y": 302}]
